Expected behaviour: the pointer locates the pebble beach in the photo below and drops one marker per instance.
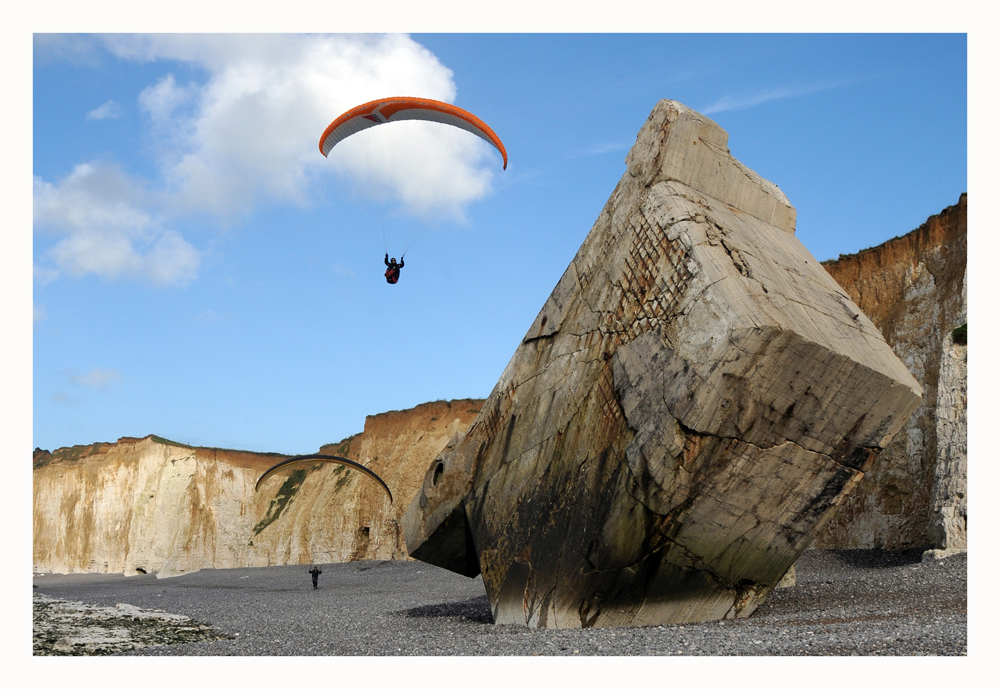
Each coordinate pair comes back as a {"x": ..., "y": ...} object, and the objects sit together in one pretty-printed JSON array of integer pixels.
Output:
[{"x": 844, "y": 603}]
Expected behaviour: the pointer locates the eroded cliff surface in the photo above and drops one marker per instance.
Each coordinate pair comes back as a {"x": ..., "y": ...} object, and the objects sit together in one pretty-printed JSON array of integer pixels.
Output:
[
  {"x": 338, "y": 515},
  {"x": 914, "y": 290},
  {"x": 170, "y": 508}
]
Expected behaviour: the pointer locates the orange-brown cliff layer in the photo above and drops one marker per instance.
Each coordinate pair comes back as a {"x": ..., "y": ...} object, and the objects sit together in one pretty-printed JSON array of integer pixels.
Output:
[
  {"x": 877, "y": 279},
  {"x": 913, "y": 288},
  {"x": 427, "y": 417}
]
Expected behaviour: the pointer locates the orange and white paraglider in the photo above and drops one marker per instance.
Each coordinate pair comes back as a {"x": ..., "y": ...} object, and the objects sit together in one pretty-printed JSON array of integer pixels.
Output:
[
  {"x": 398, "y": 109},
  {"x": 387, "y": 110}
]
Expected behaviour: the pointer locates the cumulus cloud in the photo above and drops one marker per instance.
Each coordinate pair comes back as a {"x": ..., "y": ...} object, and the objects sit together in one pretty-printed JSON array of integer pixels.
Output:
[
  {"x": 110, "y": 110},
  {"x": 98, "y": 379},
  {"x": 107, "y": 229},
  {"x": 252, "y": 128}
]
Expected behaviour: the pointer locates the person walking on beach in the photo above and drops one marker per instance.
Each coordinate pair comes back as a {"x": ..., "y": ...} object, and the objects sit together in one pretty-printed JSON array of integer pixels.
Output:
[{"x": 315, "y": 571}]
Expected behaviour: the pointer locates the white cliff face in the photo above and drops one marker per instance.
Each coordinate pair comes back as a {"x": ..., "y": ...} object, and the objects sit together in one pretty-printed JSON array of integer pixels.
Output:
[
  {"x": 171, "y": 509},
  {"x": 141, "y": 504},
  {"x": 948, "y": 500}
]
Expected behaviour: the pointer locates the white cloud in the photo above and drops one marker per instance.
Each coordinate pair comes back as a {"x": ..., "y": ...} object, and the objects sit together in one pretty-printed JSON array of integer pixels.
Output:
[
  {"x": 211, "y": 317},
  {"x": 748, "y": 100},
  {"x": 252, "y": 129},
  {"x": 108, "y": 229},
  {"x": 63, "y": 397},
  {"x": 73, "y": 48},
  {"x": 98, "y": 379},
  {"x": 599, "y": 149},
  {"x": 341, "y": 270},
  {"x": 111, "y": 109},
  {"x": 38, "y": 313},
  {"x": 44, "y": 275}
]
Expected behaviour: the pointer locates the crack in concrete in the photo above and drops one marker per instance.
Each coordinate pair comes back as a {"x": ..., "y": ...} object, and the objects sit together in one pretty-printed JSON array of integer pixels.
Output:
[
  {"x": 758, "y": 356},
  {"x": 698, "y": 563},
  {"x": 778, "y": 445}
]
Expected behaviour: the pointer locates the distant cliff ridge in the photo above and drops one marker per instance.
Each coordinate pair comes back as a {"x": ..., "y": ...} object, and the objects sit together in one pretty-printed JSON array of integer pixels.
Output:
[
  {"x": 159, "y": 506},
  {"x": 914, "y": 290}
]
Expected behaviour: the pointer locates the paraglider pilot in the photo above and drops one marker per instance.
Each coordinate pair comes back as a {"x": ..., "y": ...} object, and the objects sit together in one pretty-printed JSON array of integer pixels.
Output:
[
  {"x": 392, "y": 271},
  {"x": 315, "y": 571}
]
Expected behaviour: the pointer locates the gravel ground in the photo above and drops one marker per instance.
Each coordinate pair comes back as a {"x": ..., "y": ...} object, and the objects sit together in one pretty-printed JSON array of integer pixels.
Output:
[{"x": 845, "y": 603}]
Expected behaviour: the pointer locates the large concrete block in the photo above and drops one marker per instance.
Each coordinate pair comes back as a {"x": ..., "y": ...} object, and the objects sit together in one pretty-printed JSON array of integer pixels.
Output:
[{"x": 691, "y": 404}]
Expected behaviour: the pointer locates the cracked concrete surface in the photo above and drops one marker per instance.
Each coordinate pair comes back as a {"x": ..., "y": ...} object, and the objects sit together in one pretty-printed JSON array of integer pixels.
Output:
[{"x": 690, "y": 406}]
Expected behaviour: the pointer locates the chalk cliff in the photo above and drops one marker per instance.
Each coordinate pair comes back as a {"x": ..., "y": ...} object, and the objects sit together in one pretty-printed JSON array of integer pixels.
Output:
[
  {"x": 914, "y": 289},
  {"x": 169, "y": 508}
]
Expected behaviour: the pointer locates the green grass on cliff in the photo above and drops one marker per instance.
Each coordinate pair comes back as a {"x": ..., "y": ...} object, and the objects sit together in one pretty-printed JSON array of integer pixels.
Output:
[
  {"x": 341, "y": 449},
  {"x": 165, "y": 441},
  {"x": 67, "y": 454},
  {"x": 281, "y": 499},
  {"x": 342, "y": 481},
  {"x": 960, "y": 334}
]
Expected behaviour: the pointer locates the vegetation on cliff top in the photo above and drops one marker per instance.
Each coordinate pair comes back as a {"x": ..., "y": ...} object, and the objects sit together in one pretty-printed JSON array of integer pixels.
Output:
[
  {"x": 341, "y": 449},
  {"x": 165, "y": 441},
  {"x": 42, "y": 457},
  {"x": 75, "y": 453}
]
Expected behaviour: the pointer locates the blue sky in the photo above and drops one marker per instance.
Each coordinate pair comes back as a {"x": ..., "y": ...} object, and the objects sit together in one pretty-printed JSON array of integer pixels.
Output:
[{"x": 202, "y": 272}]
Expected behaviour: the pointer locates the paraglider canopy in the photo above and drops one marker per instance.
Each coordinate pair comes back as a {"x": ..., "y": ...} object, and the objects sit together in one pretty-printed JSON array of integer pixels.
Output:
[
  {"x": 314, "y": 459},
  {"x": 385, "y": 110}
]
